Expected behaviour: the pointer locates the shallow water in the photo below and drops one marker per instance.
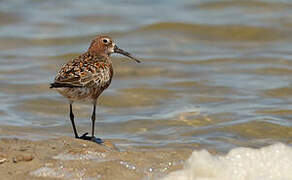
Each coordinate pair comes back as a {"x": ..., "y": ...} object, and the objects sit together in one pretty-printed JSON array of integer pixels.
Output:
[{"x": 214, "y": 73}]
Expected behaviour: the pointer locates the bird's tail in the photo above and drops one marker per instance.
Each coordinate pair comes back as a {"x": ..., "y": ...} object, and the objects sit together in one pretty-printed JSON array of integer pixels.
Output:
[{"x": 63, "y": 85}]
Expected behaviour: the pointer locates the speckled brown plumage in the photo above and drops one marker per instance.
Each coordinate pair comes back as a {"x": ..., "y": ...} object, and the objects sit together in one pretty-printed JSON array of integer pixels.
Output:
[{"x": 85, "y": 77}]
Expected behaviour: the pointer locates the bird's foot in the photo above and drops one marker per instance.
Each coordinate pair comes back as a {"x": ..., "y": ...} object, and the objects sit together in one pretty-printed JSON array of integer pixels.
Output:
[{"x": 91, "y": 138}]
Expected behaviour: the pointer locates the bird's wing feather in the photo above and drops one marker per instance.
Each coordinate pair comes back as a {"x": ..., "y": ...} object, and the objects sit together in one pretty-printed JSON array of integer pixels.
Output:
[{"x": 82, "y": 72}]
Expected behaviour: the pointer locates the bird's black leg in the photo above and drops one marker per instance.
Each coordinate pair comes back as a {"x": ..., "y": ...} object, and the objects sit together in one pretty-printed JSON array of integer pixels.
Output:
[
  {"x": 93, "y": 120},
  {"x": 92, "y": 138},
  {"x": 72, "y": 121}
]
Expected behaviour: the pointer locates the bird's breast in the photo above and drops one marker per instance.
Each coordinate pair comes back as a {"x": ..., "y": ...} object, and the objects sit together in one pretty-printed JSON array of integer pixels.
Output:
[{"x": 104, "y": 75}]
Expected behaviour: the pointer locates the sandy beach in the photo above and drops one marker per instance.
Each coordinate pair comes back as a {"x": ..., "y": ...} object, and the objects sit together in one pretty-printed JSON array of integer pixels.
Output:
[{"x": 70, "y": 158}]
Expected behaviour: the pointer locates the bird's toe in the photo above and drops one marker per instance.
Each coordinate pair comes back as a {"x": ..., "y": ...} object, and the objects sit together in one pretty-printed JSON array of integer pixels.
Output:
[
  {"x": 97, "y": 140},
  {"x": 91, "y": 138}
]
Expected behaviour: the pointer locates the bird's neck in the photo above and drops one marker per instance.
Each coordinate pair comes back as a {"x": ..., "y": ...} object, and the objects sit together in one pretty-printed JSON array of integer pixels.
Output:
[
  {"x": 97, "y": 53},
  {"x": 99, "y": 57}
]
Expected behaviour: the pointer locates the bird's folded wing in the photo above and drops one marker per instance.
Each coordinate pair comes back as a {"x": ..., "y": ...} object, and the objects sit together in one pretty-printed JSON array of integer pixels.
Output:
[{"x": 77, "y": 79}]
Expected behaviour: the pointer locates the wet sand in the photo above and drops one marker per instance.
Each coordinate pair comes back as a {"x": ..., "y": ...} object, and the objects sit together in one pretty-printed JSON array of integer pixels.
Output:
[
  {"x": 65, "y": 157},
  {"x": 70, "y": 158}
]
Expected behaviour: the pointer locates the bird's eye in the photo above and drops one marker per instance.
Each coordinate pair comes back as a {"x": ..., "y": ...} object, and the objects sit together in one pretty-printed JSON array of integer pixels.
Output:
[{"x": 105, "y": 41}]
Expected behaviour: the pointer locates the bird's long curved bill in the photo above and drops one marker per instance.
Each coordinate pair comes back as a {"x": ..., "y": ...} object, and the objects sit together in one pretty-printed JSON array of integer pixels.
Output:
[{"x": 125, "y": 53}]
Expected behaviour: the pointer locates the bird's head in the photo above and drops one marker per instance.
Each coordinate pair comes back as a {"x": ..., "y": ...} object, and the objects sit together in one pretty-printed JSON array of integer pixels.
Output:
[{"x": 104, "y": 45}]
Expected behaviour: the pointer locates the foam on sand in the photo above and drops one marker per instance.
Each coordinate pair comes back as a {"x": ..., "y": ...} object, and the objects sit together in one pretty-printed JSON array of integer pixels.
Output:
[{"x": 268, "y": 163}]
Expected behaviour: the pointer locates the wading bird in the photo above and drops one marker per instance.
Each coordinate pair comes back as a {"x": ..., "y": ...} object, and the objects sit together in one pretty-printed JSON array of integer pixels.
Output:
[{"x": 85, "y": 77}]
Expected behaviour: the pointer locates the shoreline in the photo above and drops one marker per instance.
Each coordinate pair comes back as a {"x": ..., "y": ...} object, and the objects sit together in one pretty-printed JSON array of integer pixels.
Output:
[
  {"x": 64, "y": 157},
  {"x": 70, "y": 158}
]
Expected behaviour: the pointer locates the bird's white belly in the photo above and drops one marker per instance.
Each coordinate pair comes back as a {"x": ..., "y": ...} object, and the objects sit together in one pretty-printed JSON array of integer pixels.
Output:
[{"x": 80, "y": 94}]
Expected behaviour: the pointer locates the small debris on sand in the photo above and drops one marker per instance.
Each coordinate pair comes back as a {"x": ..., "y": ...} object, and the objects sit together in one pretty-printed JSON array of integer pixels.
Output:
[
  {"x": 71, "y": 158},
  {"x": 19, "y": 158}
]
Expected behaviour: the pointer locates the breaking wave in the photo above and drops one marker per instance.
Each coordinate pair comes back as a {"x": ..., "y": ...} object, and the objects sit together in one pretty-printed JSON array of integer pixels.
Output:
[{"x": 268, "y": 163}]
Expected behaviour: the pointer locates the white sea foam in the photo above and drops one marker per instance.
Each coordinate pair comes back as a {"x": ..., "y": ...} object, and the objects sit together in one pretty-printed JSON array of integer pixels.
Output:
[{"x": 268, "y": 163}]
